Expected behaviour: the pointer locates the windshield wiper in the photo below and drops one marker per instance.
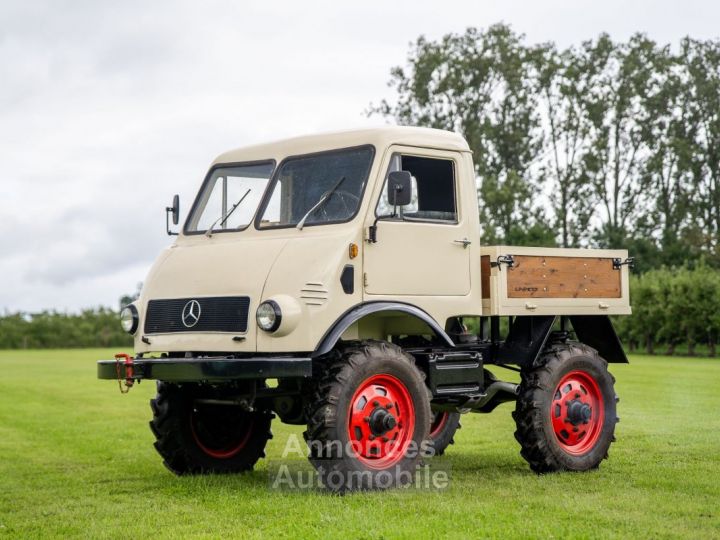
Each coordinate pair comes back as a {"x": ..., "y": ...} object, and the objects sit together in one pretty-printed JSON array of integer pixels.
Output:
[
  {"x": 323, "y": 199},
  {"x": 222, "y": 219}
]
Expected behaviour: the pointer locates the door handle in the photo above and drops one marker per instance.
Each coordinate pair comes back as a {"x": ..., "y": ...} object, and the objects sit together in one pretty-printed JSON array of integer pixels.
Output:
[{"x": 465, "y": 242}]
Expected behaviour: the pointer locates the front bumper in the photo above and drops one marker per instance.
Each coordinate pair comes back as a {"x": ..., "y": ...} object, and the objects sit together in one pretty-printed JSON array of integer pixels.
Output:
[{"x": 204, "y": 369}]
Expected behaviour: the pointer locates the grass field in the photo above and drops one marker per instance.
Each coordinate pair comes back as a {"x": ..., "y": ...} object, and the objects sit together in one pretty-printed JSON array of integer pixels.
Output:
[{"x": 76, "y": 459}]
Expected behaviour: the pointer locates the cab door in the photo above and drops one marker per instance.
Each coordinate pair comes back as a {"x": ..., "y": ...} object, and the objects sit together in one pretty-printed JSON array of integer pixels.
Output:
[{"x": 421, "y": 249}]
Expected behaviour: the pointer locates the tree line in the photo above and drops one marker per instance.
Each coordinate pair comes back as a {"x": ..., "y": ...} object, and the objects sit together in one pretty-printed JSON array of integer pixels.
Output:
[
  {"x": 604, "y": 144},
  {"x": 98, "y": 327},
  {"x": 53, "y": 330}
]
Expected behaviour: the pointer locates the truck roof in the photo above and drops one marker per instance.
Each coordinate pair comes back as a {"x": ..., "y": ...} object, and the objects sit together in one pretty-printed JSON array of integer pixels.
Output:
[{"x": 380, "y": 137}]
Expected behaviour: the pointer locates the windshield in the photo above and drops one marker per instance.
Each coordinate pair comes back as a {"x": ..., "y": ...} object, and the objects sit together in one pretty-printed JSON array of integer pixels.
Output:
[
  {"x": 321, "y": 188},
  {"x": 225, "y": 187}
]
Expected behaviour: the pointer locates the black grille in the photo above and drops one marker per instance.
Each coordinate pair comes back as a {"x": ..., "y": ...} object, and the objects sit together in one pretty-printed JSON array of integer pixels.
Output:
[{"x": 219, "y": 314}]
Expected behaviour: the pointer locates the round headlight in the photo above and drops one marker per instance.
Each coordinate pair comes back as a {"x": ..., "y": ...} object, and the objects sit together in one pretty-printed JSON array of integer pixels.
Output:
[
  {"x": 269, "y": 316},
  {"x": 129, "y": 319}
]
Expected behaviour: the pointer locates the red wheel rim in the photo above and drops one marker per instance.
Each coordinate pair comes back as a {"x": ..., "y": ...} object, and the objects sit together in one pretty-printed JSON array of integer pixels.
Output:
[
  {"x": 438, "y": 423},
  {"x": 577, "y": 412},
  {"x": 219, "y": 439},
  {"x": 381, "y": 421}
]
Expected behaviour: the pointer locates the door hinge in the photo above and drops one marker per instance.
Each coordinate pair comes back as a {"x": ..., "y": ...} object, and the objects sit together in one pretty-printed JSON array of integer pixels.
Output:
[{"x": 365, "y": 279}]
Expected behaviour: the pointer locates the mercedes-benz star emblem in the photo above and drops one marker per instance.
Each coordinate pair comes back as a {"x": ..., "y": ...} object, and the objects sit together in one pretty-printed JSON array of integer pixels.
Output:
[{"x": 191, "y": 313}]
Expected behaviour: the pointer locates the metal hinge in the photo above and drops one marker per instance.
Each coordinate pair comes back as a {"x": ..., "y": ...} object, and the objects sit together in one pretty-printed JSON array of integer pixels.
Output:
[
  {"x": 365, "y": 279},
  {"x": 503, "y": 259},
  {"x": 618, "y": 263}
]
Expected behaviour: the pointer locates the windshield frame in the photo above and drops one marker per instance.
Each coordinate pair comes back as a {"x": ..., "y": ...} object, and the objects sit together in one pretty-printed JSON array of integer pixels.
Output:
[
  {"x": 274, "y": 180},
  {"x": 204, "y": 186}
]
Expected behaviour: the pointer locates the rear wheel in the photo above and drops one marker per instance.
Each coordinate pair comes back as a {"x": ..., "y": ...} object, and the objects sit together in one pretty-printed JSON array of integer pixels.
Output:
[
  {"x": 566, "y": 410},
  {"x": 196, "y": 438},
  {"x": 442, "y": 430},
  {"x": 368, "y": 418}
]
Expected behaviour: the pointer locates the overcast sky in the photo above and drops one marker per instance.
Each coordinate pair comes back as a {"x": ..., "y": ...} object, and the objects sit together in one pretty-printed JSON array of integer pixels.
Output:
[{"x": 109, "y": 108}]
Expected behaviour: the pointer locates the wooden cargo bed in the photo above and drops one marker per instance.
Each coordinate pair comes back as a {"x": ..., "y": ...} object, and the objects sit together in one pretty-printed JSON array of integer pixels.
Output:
[{"x": 553, "y": 281}]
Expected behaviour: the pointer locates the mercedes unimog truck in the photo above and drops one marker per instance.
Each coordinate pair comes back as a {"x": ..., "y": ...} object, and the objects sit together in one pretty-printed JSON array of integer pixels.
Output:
[{"x": 337, "y": 281}]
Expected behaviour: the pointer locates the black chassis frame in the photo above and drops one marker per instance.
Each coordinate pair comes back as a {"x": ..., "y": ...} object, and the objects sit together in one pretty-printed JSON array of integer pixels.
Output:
[{"x": 455, "y": 372}]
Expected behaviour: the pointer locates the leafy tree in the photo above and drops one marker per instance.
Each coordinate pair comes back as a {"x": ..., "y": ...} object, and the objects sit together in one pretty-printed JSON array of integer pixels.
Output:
[
  {"x": 479, "y": 83},
  {"x": 614, "y": 104},
  {"x": 701, "y": 60},
  {"x": 562, "y": 80},
  {"x": 607, "y": 144}
]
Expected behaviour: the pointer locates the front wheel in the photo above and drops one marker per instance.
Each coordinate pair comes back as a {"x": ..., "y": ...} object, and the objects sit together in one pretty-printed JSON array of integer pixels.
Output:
[
  {"x": 199, "y": 438},
  {"x": 368, "y": 419},
  {"x": 566, "y": 410}
]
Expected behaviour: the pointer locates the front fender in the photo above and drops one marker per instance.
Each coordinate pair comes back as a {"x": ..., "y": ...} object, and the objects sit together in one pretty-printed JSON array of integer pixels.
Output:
[{"x": 354, "y": 314}]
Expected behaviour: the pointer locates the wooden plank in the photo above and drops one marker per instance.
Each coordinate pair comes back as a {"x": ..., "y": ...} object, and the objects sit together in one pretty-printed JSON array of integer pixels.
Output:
[
  {"x": 485, "y": 276},
  {"x": 562, "y": 277}
]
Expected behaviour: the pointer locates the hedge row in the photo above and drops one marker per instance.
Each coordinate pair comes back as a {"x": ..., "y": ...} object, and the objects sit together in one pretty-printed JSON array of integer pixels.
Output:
[
  {"x": 673, "y": 308},
  {"x": 51, "y": 330}
]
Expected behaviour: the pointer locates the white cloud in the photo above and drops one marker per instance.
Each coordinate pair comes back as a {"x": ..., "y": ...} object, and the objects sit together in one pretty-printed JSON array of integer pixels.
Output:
[{"x": 108, "y": 108}]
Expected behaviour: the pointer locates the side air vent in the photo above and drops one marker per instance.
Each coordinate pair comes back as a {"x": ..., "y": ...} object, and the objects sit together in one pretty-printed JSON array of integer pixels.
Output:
[{"x": 314, "y": 293}]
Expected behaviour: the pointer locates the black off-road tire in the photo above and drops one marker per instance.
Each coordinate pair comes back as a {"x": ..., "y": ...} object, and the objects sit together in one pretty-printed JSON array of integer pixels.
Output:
[
  {"x": 205, "y": 439},
  {"x": 549, "y": 441},
  {"x": 442, "y": 430},
  {"x": 351, "y": 370}
]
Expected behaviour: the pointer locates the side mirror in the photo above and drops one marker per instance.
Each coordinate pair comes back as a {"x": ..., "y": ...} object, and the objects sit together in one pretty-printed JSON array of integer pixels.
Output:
[
  {"x": 173, "y": 210},
  {"x": 399, "y": 188},
  {"x": 176, "y": 209}
]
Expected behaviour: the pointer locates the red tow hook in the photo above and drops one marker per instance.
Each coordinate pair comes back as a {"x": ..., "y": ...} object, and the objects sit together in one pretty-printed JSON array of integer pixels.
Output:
[{"x": 128, "y": 363}]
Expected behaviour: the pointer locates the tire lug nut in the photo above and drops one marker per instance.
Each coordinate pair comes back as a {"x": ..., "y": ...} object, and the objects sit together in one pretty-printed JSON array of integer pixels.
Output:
[
  {"x": 376, "y": 404},
  {"x": 385, "y": 439},
  {"x": 367, "y": 419},
  {"x": 389, "y": 406},
  {"x": 372, "y": 437}
]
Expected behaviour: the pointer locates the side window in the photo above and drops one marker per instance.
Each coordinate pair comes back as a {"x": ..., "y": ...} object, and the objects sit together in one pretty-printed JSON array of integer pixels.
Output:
[{"x": 433, "y": 190}]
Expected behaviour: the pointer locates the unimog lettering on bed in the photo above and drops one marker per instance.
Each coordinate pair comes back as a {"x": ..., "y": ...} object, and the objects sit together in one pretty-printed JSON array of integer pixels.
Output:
[{"x": 337, "y": 281}]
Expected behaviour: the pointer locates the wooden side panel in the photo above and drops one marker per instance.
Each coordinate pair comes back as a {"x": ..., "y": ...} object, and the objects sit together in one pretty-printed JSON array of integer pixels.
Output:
[
  {"x": 562, "y": 277},
  {"x": 485, "y": 275}
]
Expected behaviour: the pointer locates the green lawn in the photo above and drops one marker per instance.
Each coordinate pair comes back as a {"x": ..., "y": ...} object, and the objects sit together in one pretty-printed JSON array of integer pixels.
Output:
[{"x": 76, "y": 459}]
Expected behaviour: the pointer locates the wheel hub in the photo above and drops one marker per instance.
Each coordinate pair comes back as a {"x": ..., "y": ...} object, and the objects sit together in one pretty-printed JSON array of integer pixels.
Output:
[
  {"x": 577, "y": 412},
  {"x": 381, "y": 420}
]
